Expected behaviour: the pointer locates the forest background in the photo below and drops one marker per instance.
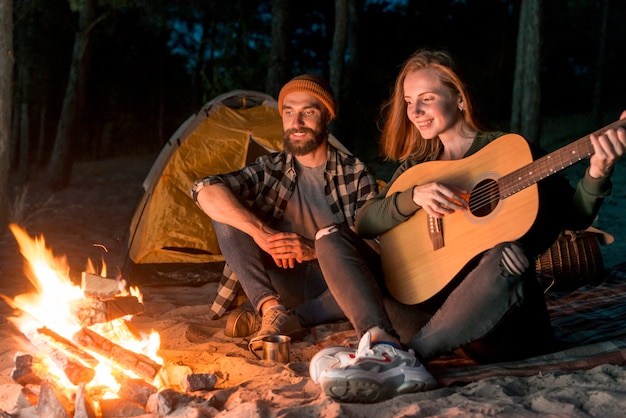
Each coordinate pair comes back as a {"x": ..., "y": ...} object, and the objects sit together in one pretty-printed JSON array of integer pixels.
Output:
[{"x": 94, "y": 79}]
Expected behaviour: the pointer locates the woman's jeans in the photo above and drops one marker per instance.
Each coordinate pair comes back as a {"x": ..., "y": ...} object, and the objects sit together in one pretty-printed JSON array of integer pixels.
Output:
[
  {"x": 301, "y": 288},
  {"x": 492, "y": 314}
]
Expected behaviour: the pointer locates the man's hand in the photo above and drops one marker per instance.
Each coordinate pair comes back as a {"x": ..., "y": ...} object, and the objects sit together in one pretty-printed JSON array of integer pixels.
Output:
[{"x": 287, "y": 248}]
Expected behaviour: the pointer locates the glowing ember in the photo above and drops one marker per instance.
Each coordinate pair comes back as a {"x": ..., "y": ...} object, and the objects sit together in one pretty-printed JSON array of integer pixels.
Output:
[{"x": 49, "y": 308}]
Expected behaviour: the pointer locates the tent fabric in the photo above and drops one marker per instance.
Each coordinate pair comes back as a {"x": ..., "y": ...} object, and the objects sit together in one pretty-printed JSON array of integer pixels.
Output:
[{"x": 229, "y": 131}]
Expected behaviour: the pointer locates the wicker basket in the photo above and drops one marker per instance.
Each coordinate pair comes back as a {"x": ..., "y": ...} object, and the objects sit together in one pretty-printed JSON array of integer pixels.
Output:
[{"x": 573, "y": 260}]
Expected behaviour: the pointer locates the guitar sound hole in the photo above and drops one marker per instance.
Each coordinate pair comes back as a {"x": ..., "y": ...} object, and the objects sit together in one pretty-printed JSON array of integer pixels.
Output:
[{"x": 484, "y": 198}]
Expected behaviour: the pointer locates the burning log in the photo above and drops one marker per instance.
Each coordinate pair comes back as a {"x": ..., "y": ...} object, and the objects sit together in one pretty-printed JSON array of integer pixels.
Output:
[
  {"x": 137, "y": 363},
  {"x": 98, "y": 286},
  {"x": 68, "y": 346},
  {"x": 64, "y": 354},
  {"x": 89, "y": 311}
]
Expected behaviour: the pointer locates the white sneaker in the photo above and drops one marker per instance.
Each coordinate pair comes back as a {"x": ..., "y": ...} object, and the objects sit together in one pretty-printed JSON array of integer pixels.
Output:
[
  {"x": 377, "y": 373},
  {"x": 330, "y": 358}
]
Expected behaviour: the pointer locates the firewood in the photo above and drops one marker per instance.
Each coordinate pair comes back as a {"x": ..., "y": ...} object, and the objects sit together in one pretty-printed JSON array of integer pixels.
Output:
[
  {"x": 68, "y": 346},
  {"x": 89, "y": 311},
  {"x": 41, "y": 374},
  {"x": 98, "y": 286},
  {"x": 139, "y": 364},
  {"x": 66, "y": 360}
]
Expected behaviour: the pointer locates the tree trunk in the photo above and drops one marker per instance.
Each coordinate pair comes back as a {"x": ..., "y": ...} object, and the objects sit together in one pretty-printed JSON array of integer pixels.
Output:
[
  {"x": 24, "y": 141},
  {"x": 24, "y": 89},
  {"x": 41, "y": 136},
  {"x": 279, "y": 66},
  {"x": 337, "y": 58},
  {"x": 352, "y": 46},
  {"x": 60, "y": 165},
  {"x": 6, "y": 98},
  {"x": 596, "y": 112},
  {"x": 525, "y": 109}
]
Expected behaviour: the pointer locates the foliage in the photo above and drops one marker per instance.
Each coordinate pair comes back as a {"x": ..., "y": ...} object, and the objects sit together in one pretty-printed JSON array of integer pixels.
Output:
[{"x": 157, "y": 61}]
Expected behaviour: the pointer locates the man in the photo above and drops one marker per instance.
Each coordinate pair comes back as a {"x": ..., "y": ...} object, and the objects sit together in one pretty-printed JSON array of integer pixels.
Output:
[{"x": 269, "y": 243}]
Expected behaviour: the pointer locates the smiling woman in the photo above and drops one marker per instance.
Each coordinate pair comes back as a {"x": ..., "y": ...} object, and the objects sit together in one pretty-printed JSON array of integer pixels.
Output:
[{"x": 483, "y": 204}]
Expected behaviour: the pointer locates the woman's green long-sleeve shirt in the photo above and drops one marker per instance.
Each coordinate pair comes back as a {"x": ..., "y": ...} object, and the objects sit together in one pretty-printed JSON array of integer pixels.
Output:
[{"x": 560, "y": 205}]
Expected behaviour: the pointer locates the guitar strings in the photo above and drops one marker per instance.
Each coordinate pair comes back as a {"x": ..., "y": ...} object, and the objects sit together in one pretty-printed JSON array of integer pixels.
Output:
[
  {"x": 488, "y": 193},
  {"x": 484, "y": 196}
]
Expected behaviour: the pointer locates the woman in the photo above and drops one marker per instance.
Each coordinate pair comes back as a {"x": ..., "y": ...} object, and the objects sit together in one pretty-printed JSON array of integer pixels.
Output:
[{"x": 494, "y": 309}]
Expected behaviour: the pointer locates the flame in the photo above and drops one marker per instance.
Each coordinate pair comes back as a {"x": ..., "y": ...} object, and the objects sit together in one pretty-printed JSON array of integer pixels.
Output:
[
  {"x": 50, "y": 307},
  {"x": 92, "y": 269}
]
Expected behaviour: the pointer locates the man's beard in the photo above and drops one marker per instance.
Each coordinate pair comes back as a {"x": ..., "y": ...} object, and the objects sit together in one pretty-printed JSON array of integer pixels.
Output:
[{"x": 309, "y": 146}]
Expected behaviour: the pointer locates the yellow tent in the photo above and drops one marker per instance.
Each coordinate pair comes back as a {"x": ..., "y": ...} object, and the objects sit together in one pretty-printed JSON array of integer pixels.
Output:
[{"x": 230, "y": 131}]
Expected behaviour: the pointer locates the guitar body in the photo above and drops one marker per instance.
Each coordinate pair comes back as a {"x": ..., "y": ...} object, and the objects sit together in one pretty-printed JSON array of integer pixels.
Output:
[{"x": 414, "y": 270}]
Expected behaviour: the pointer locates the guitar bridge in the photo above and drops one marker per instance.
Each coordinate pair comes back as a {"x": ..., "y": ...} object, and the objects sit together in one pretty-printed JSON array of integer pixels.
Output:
[{"x": 435, "y": 230}]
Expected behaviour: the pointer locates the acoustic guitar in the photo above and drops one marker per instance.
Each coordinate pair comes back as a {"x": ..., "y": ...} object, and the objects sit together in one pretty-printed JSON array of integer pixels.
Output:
[{"x": 422, "y": 255}]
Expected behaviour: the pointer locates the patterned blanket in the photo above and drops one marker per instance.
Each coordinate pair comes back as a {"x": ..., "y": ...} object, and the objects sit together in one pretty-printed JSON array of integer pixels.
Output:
[{"x": 590, "y": 322}]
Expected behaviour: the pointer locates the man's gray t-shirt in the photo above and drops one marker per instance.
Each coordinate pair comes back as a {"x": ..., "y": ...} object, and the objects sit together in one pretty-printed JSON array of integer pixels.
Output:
[{"x": 307, "y": 210}]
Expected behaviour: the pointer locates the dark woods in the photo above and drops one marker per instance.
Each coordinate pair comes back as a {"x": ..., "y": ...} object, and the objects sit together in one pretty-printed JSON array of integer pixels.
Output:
[{"x": 98, "y": 79}]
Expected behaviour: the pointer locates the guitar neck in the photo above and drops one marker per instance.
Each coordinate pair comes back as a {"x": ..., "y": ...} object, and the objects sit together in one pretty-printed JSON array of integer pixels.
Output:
[{"x": 551, "y": 163}]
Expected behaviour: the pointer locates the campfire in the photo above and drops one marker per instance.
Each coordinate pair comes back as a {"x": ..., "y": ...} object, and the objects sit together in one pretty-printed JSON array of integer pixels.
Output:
[{"x": 84, "y": 354}]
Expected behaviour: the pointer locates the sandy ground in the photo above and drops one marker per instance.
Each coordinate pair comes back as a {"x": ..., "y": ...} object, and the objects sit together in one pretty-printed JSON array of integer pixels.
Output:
[{"x": 93, "y": 214}]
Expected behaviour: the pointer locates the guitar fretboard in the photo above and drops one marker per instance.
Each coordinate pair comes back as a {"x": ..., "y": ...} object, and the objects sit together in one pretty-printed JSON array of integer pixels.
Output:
[{"x": 550, "y": 164}]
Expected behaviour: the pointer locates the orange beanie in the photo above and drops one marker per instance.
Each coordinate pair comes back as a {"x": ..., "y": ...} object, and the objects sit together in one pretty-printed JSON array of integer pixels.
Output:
[{"x": 311, "y": 84}]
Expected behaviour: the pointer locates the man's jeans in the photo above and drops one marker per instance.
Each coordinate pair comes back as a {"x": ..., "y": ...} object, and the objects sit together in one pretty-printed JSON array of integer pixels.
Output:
[{"x": 302, "y": 288}]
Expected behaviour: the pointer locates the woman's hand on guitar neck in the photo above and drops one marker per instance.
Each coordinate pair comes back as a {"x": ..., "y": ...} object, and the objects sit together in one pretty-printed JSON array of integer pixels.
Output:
[
  {"x": 439, "y": 200},
  {"x": 608, "y": 148}
]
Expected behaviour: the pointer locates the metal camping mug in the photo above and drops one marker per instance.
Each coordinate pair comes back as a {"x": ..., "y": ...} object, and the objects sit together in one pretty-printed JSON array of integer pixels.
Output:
[{"x": 275, "y": 348}]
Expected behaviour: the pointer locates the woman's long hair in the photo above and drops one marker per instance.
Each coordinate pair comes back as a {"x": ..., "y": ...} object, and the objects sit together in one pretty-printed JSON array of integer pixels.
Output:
[{"x": 400, "y": 139}]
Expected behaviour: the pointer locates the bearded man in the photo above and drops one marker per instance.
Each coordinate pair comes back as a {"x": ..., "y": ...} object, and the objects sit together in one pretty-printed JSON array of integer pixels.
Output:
[{"x": 266, "y": 216}]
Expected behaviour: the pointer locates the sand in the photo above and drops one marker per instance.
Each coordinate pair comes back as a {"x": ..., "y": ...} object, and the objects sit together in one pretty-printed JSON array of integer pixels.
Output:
[{"x": 94, "y": 213}]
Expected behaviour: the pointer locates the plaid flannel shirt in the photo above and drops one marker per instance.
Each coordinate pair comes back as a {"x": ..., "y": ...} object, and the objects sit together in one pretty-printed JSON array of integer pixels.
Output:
[{"x": 268, "y": 184}]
